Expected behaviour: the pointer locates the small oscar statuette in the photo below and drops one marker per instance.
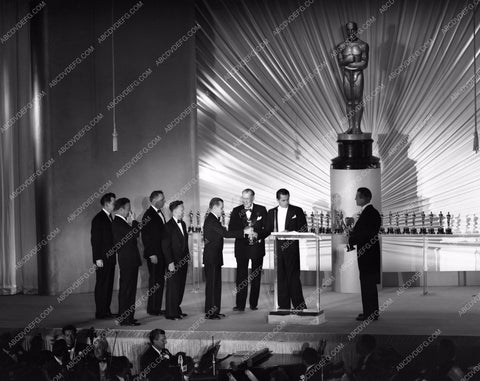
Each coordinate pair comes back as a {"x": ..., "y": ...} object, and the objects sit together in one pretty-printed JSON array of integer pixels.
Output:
[
  {"x": 468, "y": 221},
  {"x": 222, "y": 219},
  {"x": 312, "y": 223},
  {"x": 321, "y": 230},
  {"x": 339, "y": 223},
  {"x": 251, "y": 239},
  {"x": 423, "y": 229},
  {"x": 414, "y": 229},
  {"x": 406, "y": 229},
  {"x": 382, "y": 228},
  {"x": 458, "y": 222},
  {"x": 440, "y": 229},
  {"x": 328, "y": 229},
  {"x": 431, "y": 230},
  {"x": 397, "y": 226},
  {"x": 198, "y": 228},
  {"x": 190, "y": 222},
  {"x": 390, "y": 223},
  {"x": 449, "y": 218}
]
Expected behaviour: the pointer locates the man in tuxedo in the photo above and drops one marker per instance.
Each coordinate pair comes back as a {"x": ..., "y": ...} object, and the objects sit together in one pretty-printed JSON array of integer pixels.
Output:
[
  {"x": 56, "y": 366},
  {"x": 248, "y": 214},
  {"x": 125, "y": 233},
  {"x": 213, "y": 235},
  {"x": 74, "y": 347},
  {"x": 156, "y": 360},
  {"x": 287, "y": 218},
  {"x": 152, "y": 232},
  {"x": 365, "y": 235},
  {"x": 177, "y": 255},
  {"x": 101, "y": 239},
  {"x": 98, "y": 363}
]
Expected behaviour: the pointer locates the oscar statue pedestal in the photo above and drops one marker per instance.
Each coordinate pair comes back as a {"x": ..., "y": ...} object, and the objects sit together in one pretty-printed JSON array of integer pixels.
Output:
[{"x": 354, "y": 167}]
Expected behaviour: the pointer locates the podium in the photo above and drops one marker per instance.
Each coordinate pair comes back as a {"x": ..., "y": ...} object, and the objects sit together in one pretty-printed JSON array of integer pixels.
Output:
[{"x": 309, "y": 316}]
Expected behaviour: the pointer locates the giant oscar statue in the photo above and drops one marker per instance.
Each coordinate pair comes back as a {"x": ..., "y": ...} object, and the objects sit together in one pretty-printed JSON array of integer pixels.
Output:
[{"x": 355, "y": 166}]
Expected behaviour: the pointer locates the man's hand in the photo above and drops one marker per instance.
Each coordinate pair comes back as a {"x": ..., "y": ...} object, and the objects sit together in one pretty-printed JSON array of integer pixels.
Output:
[
  {"x": 130, "y": 217},
  {"x": 154, "y": 259},
  {"x": 171, "y": 266},
  {"x": 99, "y": 263}
]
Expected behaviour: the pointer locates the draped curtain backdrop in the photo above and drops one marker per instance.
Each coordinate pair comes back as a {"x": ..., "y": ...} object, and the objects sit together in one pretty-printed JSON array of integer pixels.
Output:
[
  {"x": 17, "y": 214},
  {"x": 418, "y": 100}
]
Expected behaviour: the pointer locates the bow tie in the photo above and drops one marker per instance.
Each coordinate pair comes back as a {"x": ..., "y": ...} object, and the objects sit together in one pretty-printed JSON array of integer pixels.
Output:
[
  {"x": 248, "y": 209},
  {"x": 179, "y": 221}
]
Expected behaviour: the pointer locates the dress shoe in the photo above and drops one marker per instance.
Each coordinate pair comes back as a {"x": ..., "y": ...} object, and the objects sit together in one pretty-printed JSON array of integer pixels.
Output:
[
  {"x": 238, "y": 309},
  {"x": 212, "y": 317},
  {"x": 183, "y": 315},
  {"x": 253, "y": 308},
  {"x": 173, "y": 317},
  {"x": 113, "y": 316},
  {"x": 360, "y": 315},
  {"x": 363, "y": 318},
  {"x": 154, "y": 313},
  {"x": 221, "y": 315}
]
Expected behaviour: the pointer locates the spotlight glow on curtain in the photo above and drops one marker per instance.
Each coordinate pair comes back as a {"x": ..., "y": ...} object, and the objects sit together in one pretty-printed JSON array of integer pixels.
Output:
[{"x": 421, "y": 117}]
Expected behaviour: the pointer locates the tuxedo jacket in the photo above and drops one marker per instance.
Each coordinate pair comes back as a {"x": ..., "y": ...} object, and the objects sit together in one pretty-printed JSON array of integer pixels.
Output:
[
  {"x": 161, "y": 370},
  {"x": 101, "y": 238},
  {"x": 127, "y": 251},
  {"x": 295, "y": 221},
  {"x": 213, "y": 235},
  {"x": 365, "y": 234},
  {"x": 152, "y": 233},
  {"x": 174, "y": 243},
  {"x": 239, "y": 220}
]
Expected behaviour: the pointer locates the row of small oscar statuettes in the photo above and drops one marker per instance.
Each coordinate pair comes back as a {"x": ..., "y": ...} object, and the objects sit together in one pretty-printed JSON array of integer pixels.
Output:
[{"x": 321, "y": 223}]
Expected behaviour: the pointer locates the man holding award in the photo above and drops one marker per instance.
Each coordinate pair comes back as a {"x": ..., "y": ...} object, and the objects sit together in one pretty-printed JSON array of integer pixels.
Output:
[
  {"x": 248, "y": 249},
  {"x": 213, "y": 235},
  {"x": 365, "y": 235}
]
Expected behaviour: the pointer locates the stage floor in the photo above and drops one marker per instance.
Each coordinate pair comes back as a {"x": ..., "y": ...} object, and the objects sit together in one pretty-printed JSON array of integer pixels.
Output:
[{"x": 410, "y": 313}]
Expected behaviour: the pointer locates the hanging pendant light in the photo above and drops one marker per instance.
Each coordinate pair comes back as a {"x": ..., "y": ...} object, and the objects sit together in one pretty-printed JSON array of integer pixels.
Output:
[
  {"x": 114, "y": 134},
  {"x": 475, "y": 130}
]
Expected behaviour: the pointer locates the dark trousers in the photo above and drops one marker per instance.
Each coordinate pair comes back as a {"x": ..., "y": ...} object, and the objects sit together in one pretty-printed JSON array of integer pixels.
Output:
[
  {"x": 127, "y": 292},
  {"x": 213, "y": 288},
  {"x": 156, "y": 276},
  {"x": 288, "y": 277},
  {"x": 242, "y": 280},
  {"x": 368, "y": 286},
  {"x": 175, "y": 288},
  {"x": 104, "y": 277}
]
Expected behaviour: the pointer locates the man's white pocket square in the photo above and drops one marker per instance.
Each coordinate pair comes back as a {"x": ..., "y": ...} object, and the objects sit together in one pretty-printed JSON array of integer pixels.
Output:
[{"x": 295, "y": 216}]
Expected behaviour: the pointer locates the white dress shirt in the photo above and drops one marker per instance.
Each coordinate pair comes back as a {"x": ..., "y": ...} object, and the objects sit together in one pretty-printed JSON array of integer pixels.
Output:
[
  {"x": 282, "y": 218},
  {"x": 160, "y": 213},
  {"x": 179, "y": 224},
  {"x": 123, "y": 218}
]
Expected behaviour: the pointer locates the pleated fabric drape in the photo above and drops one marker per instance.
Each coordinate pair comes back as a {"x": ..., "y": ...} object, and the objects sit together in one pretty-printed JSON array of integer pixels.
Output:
[
  {"x": 270, "y": 102},
  {"x": 18, "y": 244}
]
